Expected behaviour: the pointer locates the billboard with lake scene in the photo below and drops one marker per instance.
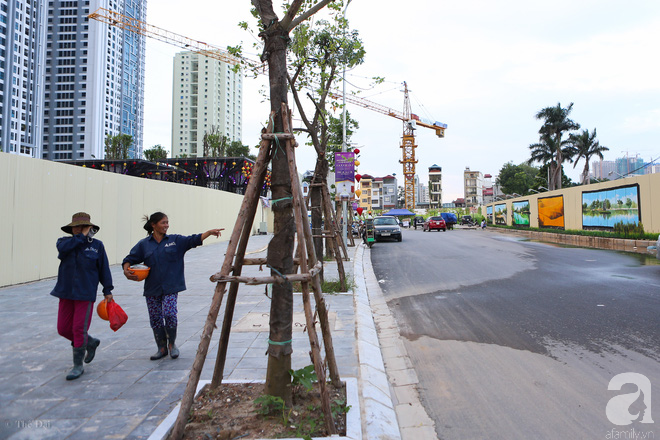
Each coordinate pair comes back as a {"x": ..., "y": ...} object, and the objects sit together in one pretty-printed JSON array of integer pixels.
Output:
[
  {"x": 489, "y": 214},
  {"x": 605, "y": 208},
  {"x": 521, "y": 213}
]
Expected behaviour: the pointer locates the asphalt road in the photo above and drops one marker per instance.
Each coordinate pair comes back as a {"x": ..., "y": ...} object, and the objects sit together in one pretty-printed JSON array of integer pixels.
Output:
[{"x": 515, "y": 339}]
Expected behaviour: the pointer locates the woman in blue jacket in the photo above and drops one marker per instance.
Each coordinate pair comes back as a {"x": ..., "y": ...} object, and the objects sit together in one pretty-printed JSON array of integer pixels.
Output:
[
  {"x": 163, "y": 253},
  {"x": 83, "y": 265}
]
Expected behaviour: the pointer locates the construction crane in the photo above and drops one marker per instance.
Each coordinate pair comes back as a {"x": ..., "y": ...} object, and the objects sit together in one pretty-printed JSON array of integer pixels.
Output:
[
  {"x": 410, "y": 120},
  {"x": 141, "y": 28},
  {"x": 410, "y": 123}
]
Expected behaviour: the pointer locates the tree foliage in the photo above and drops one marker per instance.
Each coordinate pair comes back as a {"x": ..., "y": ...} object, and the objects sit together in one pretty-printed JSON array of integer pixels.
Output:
[
  {"x": 117, "y": 146},
  {"x": 585, "y": 146},
  {"x": 517, "y": 178},
  {"x": 155, "y": 153},
  {"x": 555, "y": 124}
]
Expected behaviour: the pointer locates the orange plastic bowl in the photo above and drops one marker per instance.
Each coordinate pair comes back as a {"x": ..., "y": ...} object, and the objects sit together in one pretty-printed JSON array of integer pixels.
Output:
[
  {"x": 102, "y": 311},
  {"x": 141, "y": 271}
]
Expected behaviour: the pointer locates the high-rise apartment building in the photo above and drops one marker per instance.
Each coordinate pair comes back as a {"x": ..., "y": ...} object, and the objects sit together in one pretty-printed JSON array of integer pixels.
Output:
[
  {"x": 22, "y": 51},
  {"x": 207, "y": 98},
  {"x": 435, "y": 187},
  {"x": 94, "y": 80}
]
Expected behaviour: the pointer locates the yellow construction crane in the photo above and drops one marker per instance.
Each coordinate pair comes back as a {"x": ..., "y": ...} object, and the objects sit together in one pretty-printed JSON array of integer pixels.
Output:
[
  {"x": 141, "y": 28},
  {"x": 410, "y": 123},
  {"x": 410, "y": 120}
]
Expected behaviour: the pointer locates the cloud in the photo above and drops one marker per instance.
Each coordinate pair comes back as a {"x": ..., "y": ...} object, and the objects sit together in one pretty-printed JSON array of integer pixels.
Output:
[{"x": 643, "y": 121}]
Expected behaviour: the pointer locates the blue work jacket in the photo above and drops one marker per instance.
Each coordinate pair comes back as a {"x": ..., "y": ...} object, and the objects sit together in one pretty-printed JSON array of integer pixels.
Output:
[
  {"x": 165, "y": 260},
  {"x": 83, "y": 265}
]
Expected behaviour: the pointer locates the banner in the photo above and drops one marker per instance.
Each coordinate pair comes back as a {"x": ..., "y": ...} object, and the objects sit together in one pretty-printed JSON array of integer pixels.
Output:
[{"x": 345, "y": 173}]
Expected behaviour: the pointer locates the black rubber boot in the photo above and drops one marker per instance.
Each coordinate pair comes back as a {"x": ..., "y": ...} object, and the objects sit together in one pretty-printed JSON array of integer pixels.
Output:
[
  {"x": 161, "y": 341},
  {"x": 171, "y": 339},
  {"x": 77, "y": 370},
  {"x": 92, "y": 343}
]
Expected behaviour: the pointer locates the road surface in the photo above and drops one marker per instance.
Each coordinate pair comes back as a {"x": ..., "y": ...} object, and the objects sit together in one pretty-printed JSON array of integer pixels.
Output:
[{"x": 515, "y": 339}]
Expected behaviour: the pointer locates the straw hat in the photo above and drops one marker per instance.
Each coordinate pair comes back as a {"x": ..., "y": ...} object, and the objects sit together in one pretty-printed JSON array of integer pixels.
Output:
[{"x": 79, "y": 219}]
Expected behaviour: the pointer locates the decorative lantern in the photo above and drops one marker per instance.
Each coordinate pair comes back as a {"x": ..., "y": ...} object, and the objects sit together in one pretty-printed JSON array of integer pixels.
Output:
[
  {"x": 359, "y": 210},
  {"x": 358, "y": 192},
  {"x": 357, "y": 163},
  {"x": 358, "y": 177},
  {"x": 356, "y": 151}
]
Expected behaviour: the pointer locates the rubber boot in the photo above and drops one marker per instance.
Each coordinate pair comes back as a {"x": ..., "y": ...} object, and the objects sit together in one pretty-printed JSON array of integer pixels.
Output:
[
  {"x": 171, "y": 339},
  {"x": 77, "y": 370},
  {"x": 92, "y": 343},
  {"x": 161, "y": 341}
]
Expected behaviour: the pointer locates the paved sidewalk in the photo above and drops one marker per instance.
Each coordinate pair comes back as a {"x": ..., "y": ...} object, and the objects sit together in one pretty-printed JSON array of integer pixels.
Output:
[{"x": 124, "y": 395}]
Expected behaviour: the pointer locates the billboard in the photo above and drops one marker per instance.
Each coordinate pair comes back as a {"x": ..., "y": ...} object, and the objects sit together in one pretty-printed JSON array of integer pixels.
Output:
[
  {"x": 500, "y": 214},
  {"x": 520, "y": 213},
  {"x": 551, "y": 212},
  {"x": 489, "y": 214},
  {"x": 605, "y": 208}
]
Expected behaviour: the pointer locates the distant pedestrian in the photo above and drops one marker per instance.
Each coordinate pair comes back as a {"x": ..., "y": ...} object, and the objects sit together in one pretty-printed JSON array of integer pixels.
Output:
[
  {"x": 483, "y": 224},
  {"x": 83, "y": 265},
  {"x": 164, "y": 255}
]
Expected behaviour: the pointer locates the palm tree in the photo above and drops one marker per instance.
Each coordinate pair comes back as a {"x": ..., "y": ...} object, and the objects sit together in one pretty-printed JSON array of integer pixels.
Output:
[
  {"x": 545, "y": 152},
  {"x": 556, "y": 123},
  {"x": 585, "y": 145}
]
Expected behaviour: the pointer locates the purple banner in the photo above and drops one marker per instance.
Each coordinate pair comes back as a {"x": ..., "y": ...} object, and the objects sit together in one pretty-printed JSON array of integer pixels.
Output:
[{"x": 345, "y": 173}]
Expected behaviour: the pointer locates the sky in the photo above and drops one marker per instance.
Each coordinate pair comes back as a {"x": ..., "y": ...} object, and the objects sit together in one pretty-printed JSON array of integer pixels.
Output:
[{"x": 484, "y": 68}]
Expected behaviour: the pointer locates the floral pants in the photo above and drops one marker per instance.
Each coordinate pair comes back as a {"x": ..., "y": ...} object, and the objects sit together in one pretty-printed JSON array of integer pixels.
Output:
[{"x": 162, "y": 310}]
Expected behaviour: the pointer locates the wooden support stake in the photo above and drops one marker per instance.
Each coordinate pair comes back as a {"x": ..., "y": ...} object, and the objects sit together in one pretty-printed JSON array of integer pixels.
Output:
[{"x": 299, "y": 208}]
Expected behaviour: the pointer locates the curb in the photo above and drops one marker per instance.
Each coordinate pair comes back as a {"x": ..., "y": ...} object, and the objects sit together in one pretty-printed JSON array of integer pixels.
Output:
[{"x": 391, "y": 407}]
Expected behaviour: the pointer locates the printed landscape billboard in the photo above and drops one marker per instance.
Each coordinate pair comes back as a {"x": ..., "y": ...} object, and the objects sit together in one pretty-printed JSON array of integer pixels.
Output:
[
  {"x": 520, "y": 213},
  {"x": 605, "y": 208},
  {"x": 500, "y": 214},
  {"x": 551, "y": 212},
  {"x": 489, "y": 214}
]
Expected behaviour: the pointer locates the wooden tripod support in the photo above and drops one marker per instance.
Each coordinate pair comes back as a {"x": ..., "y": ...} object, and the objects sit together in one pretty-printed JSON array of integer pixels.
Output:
[{"x": 234, "y": 262}]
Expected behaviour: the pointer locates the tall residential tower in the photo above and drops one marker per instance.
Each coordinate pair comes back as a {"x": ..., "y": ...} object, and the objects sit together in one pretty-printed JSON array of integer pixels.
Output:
[
  {"x": 207, "y": 97},
  {"x": 22, "y": 51},
  {"x": 94, "y": 80}
]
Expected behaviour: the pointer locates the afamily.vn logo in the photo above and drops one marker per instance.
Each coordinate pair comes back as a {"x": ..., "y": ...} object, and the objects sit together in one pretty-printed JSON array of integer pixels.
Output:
[{"x": 617, "y": 409}]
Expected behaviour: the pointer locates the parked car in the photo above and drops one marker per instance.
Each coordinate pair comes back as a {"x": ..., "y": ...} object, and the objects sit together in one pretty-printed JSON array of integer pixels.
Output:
[
  {"x": 467, "y": 220},
  {"x": 436, "y": 222},
  {"x": 387, "y": 227},
  {"x": 449, "y": 218},
  {"x": 418, "y": 221}
]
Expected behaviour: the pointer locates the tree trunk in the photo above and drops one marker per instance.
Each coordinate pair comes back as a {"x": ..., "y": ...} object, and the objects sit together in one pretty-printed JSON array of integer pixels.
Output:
[{"x": 280, "y": 248}]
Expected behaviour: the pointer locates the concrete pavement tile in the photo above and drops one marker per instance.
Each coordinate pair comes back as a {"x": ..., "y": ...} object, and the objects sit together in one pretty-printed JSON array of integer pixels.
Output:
[
  {"x": 137, "y": 364},
  {"x": 380, "y": 421},
  {"x": 128, "y": 407},
  {"x": 106, "y": 428},
  {"x": 419, "y": 433},
  {"x": 164, "y": 376},
  {"x": 254, "y": 374},
  {"x": 144, "y": 390},
  {"x": 76, "y": 409},
  {"x": 373, "y": 377},
  {"x": 403, "y": 377},
  {"x": 183, "y": 362},
  {"x": 370, "y": 354},
  {"x": 48, "y": 430},
  {"x": 252, "y": 362},
  {"x": 412, "y": 415},
  {"x": 397, "y": 363},
  {"x": 405, "y": 394},
  {"x": 27, "y": 409},
  {"x": 124, "y": 376}
]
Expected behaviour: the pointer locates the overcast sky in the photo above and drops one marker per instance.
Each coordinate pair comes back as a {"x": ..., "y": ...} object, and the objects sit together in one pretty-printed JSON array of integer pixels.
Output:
[{"x": 484, "y": 68}]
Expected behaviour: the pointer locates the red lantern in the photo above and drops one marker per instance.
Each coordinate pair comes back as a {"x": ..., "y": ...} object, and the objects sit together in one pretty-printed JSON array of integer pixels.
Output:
[
  {"x": 359, "y": 211},
  {"x": 356, "y": 151},
  {"x": 358, "y": 177}
]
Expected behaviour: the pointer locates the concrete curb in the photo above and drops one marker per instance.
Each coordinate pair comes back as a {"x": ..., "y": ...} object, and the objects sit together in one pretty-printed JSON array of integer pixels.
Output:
[{"x": 388, "y": 383}]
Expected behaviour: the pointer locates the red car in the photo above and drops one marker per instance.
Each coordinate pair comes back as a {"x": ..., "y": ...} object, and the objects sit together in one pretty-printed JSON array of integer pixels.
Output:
[{"x": 435, "y": 223}]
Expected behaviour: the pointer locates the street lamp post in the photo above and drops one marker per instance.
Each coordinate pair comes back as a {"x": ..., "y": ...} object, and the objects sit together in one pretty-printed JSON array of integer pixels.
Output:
[
  {"x": 543, "y": 187},
  {"x": 623, "y": 176},
  {"x": 533, "y": 190},
  {"x": 344, "y": 203}
]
